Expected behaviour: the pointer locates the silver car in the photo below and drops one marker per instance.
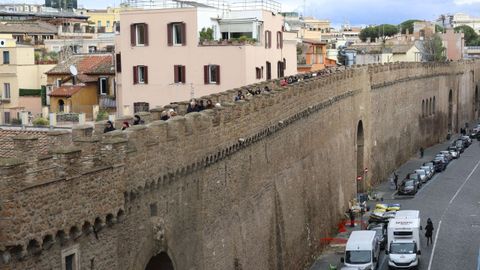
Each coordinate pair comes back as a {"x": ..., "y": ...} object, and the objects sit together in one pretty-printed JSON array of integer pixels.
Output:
[
  {"x": 447, "y": 154},
  {"x": 454, "y": 152},
  {"x": 422, "y": 174},
  {"x": 429, "y": 171}
]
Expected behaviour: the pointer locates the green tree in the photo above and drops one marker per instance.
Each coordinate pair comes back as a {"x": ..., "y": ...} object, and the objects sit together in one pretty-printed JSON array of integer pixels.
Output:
[
  {"x": 408, "y": 24},
  {"x": 206, "y": 34},
  {"x": 381, "y": 31},
  {"x": 434, "y": 50},
  {"x": 471, "y": 38},
  {"x": 368, "y": 33},
  {"x": 387, "y": 30},
  {"x": 439, "y": 29}
]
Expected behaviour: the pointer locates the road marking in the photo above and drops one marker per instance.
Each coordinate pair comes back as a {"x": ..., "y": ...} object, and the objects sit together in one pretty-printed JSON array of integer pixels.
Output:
[
  {"x": 464, "y": 182},
  {"x": 395, "y": 193},
  {"x": 434, "y": 245}
]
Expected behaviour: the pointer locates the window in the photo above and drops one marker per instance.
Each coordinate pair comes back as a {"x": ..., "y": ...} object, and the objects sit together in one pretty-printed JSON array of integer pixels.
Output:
[
  {"x": 117, "y": 27},
  {"x": 179, "y": 74},
  {"x": 258, "y": 72},
  {"x": 269, "y": 71},
  {"x": 268, "y": 39},
  {"x": 99, "y": 24},
  {"x": 140, "y": 75},
  {"x": 6, "y": 57},
  {"x": 58, "y": 82},
  {"x": 118, "y": 62},
  {"x": 108, "y": 24},
  {"x": 6, "y": 117},
  {"x": 103, "y": 86},
  {"x": 6, "y": 91},
  {"x": 92, "y": 49},
  {"x": 71, "y": 258},
  {"x": 153, "y": 210},
  {"x": 280, "y": 69},
  {"x": 176, "y": 34},
  {"x": 211, "y": 74},
  {"x": 279, "y": 40},
  {"x": 139, "y": 34},
  {"x": 141, "y": 107}
]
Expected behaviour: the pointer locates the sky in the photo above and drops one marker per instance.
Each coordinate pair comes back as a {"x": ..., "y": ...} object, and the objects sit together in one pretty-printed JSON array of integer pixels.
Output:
[{"x": 355, "y": 12}]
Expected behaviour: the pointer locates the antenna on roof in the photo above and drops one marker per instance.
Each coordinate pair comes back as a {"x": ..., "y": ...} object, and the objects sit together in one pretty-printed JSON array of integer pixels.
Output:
[{"x": 74, "y": 72}]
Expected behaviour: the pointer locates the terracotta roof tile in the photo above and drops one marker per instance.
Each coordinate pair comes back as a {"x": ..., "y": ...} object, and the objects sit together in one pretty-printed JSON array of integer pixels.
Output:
[
  {"x": 6, "y": 141},
  {"x": 89, "y": 64},
  {"x": 66, "y": 90}
]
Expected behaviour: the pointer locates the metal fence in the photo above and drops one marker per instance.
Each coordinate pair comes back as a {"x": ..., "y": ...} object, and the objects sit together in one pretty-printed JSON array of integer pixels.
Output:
[{"x": 270, "y": 5}]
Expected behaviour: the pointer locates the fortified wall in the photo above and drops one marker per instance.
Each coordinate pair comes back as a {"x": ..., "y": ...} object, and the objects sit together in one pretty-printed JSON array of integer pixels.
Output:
[{"x": 254, "y": 184}]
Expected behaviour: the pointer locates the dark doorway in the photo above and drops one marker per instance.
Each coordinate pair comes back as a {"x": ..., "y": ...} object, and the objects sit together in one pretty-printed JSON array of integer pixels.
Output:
[
  {"x": 160, "y": 262},
  {"x": 269, "y": 70},
  {"x": 280, "y": 70},
  {"x": 360, "y": 170},
  {"x": 61, "y": 105},
  {"x": 450, "y": 110}
]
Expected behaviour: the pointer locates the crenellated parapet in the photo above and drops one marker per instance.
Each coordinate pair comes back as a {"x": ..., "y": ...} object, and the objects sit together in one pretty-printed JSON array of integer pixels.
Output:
[{"x": 84, "y": 180}]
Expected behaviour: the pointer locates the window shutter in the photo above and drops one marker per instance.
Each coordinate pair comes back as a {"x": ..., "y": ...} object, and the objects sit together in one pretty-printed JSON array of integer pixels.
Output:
[
  {"x": 269, "y": 39},
  {"x": 169, "y": 34},
  {"x": 218, "y": 74},
  {"x": 175, "y": 74},
  {"x": 284, "y": 63},
  {"x": 266, "y": 39},
  {"x": 205, "y": 74},
  {"x": 135, "y": 74},
  {"x": 133, "y": 35},
  {"x": 278, "y": 40},
  {"x": 118, "y": 62},
  {"x": 145, "y": 68},
  {"x": 145, "y": 32},
  {"x": 184, "y": 34},
  {"x": 184, "y": 75},
  {"x": 281, "y": 40},
  {"x": 107, "y": 89}
]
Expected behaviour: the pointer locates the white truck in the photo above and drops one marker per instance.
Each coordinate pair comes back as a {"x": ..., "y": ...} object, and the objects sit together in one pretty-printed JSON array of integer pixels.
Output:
[
  {"x": 362, "y": 251},
  {"x": 403, "y": 234}
]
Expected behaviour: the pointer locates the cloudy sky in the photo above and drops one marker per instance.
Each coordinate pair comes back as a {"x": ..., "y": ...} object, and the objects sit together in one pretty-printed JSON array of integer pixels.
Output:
[{"x": 356, "y": 12}]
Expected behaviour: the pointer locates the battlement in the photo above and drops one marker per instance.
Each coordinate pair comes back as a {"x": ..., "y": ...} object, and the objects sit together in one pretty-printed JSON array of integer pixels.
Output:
[{"x": 84, "y": 179}]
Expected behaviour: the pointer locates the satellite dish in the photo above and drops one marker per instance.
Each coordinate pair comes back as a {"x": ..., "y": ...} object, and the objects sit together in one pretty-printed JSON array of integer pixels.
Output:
[{"x": 73, "y": 70}]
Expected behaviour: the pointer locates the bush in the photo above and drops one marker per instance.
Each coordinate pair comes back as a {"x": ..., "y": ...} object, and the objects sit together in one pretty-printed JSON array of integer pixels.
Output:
[
  {"x": 102, "y": 115},
  {"x": 206, "y": 34},
  {"x": 40, "y": 121},
  {"x": 16, "y": 121}
]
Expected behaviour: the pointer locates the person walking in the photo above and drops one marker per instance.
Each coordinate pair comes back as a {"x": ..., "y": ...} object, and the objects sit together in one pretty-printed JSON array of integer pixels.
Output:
[
  {"x": 421, "y": 152},
  {"x": 395, "y": 180},
  {"x": 429, "y": 231},
  {"x": 351, "y": 215}
]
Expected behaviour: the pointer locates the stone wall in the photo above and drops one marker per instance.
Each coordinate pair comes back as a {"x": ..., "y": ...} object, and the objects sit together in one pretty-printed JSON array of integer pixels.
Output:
[{"x": 253, "y": 185}]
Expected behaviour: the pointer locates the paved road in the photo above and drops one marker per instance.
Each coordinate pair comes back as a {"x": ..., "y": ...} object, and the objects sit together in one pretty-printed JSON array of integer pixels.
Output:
[{"x": 452, "y": 200}]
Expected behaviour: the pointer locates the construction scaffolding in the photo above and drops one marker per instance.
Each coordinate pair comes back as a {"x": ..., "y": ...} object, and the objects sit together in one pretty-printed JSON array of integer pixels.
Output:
[{"x": 269, "y": 5}]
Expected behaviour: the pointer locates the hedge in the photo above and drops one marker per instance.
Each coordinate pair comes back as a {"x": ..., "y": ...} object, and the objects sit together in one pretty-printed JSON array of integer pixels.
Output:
[{"x": 30, "y": 92}]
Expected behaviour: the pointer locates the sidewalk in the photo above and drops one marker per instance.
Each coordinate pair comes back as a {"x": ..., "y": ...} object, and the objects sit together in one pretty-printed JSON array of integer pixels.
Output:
[{"x": 336, "y": 247}]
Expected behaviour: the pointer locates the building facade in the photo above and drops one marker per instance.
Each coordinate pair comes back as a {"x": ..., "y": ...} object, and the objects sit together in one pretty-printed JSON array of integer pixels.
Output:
[
  {"x": 17, "y": 71},
  {"x": 161, "y": 58},
  {"x": 61, "y": 4}
]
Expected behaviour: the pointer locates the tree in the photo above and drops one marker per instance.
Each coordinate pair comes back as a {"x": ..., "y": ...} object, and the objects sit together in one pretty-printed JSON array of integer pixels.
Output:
[
  {"x": 471, "y": 38},
  {"x": 434, "y": 50},
  {"x": 439, "y": 29},
  {"x": 369, "y": 33},
  {"x": 408, "y": 24},
  {"x": 373, "y": 32}
]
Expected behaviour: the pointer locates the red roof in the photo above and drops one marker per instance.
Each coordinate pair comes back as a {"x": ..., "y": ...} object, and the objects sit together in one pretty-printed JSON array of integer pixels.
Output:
[
  {"x": 66, "y": 90},
  {"x": 89, "y": 64}
]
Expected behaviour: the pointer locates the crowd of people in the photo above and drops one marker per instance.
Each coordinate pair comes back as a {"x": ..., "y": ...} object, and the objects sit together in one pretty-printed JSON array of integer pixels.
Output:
[
  {"x": 137, "y": 120},
  {"x": 195, "y": 106},
  {"x": 250, "y": 92}
]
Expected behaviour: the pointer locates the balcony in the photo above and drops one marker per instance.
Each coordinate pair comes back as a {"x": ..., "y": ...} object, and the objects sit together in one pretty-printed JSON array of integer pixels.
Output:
[
  {"x": 229, "y": 42},
  {"x": 108, "y": 102}
]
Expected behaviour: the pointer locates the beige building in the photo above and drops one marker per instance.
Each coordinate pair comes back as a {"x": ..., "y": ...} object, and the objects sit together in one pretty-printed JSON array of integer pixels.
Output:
[
  {"x": 314, "y": 28},
  {"x": 160, "y": 58},
  {"x": 17, "y": 71}
]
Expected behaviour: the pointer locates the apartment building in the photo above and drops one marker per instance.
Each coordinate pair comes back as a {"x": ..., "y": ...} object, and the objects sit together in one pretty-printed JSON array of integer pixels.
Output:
[
  {"x": 161, "y": 57},
  {"x": 18, "y": 71}
]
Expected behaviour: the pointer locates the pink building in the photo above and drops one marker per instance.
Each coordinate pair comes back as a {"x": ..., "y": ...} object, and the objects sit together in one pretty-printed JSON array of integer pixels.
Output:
[
  {"x": 454, "y": 44},
  {"x": 160, "y": 58}
]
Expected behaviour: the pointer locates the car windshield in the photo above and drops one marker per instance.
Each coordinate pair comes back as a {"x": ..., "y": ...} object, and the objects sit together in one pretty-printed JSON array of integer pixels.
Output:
[
  {"x": 426, "y": 168},
  {"x": 413, "y": 176},
  {"x": 421, "y": 172},
  {"x": 403, "y": 248},
  {"x": 358, "y": 256},
  {"x": 429, "y": 164},
  {"x": 408, "y": 183},
  {"x": 459, "y": 143},
  {"x": 452, "y": 148}
]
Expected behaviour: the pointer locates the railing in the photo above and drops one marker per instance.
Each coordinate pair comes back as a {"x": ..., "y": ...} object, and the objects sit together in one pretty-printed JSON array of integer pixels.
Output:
[
  {"x": 257, "y": 4},
  {"x": 270, "y": 5},
  {"x": 107, "y": 102}
]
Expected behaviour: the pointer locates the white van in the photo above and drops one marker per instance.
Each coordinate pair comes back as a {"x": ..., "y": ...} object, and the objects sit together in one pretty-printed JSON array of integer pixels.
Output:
[
  {"x": 362, "y": 250},
  {"x": 403, "y": 233}
]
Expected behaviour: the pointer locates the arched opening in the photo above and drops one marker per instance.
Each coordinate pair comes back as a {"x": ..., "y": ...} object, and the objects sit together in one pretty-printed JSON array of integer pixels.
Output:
[
  {"x": 160, "y": 262},
  {"x": 423, "y": 108},
  {"x": 426, "y": 107},
  {"x": 450, "y": 109},
  {"x": 430, "y": 111},
  {"x": 360, "y": 169},
  {"x": 61, "y": 105},
  {"x": 433, "y": 105}
]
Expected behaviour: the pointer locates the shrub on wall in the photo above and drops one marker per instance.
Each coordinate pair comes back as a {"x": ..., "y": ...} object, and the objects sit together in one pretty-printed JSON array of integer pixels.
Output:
[
  {"x": 102, "y": 115},
  {"x": 40, "y": 121}
]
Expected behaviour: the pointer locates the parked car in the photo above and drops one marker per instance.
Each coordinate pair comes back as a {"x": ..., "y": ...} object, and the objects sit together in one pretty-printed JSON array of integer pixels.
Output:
[
  {"x": 408, "y": 187},
  {"x": 430, "y": 164},
  {"x": 423, "y": 175},
  {"x": 444, "y": 157},
  {"x": 454, "y": 152},
  {"x": 447, "y": 154},
  {"x": 416, "y": 178},
  {"x": 381, "y": 232},
  {"x": 460, "y": 145},
  {"x": 440, "y": 164},
  {"x": 430, "y": 172},
  {"x": 467, "y": 140}
]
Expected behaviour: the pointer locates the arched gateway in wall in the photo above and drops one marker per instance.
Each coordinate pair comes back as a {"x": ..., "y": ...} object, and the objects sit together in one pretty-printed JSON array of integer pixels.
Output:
[{"x": 160, "y": 262}]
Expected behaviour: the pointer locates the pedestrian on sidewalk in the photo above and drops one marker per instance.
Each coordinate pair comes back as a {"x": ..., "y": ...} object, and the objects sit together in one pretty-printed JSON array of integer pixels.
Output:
[
  {"x": 421, "y": 152},
  {"x": 395, "y": 180},
  {"x": 351, "y": 214},
  {"x": 429, "y": 231}
]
